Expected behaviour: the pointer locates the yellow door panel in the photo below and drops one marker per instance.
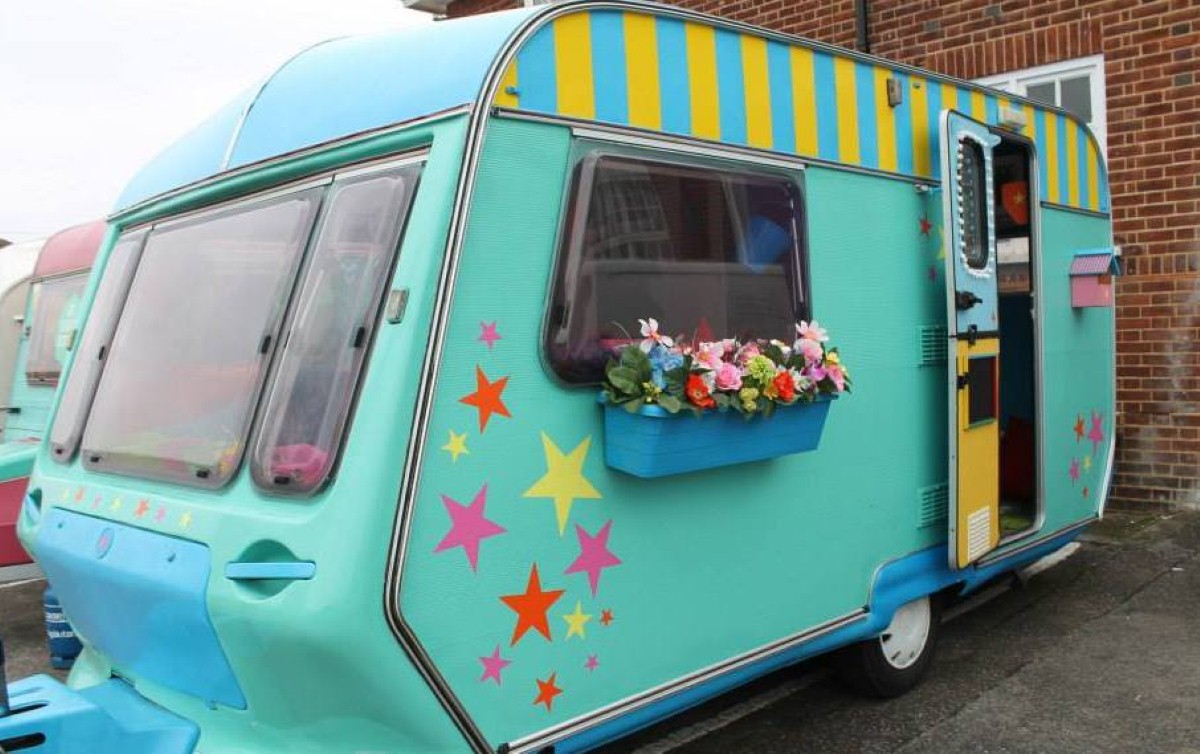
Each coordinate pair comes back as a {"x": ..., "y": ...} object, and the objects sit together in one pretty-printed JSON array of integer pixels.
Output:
[{"x": 977, "y": 520}]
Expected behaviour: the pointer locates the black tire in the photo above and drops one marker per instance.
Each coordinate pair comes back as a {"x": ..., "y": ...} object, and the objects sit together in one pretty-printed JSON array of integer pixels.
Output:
[{"x": 865, "y": 667}]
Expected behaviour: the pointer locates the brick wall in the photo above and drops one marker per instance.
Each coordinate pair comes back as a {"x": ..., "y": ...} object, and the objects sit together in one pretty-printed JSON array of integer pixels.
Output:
[{"x": 1151, "y": 51}]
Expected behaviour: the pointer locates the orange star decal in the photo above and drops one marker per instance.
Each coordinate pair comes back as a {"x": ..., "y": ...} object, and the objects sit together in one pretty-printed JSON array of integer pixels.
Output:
[
  {"x": 486, "y": 398},
  {"x": 926, "y": 226},
  {"x": 1078, "y": 427},
  {"x": 143, "y": 507},
  {"x": 547, "y": 691},
  {"x": 606, "y": 617},
  {"x": 531, "y": 607}
]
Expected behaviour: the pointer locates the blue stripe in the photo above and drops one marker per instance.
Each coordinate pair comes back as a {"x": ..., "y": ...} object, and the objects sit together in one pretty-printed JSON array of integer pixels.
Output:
[
  {"x": 536, "y": 76},
  {"x": 608, "y": 67},
  {"x": 783, "y": 103},
  {"x": 673, "y": 75},
  {"x": 1039, "y": 118},
  {"x": 731, "y": 87},
  {"x": 993, "y": 109},
  {"x": 1064, "y": 175},
  {"x": 1081, "y": 145},
  {"x": 826, "y": 89},
  {"x": 933, "y": 94},
  {"x": 964, "y": 102},
  {"x": 904, "y": 126},
  {"x": 868, "y": 124}
]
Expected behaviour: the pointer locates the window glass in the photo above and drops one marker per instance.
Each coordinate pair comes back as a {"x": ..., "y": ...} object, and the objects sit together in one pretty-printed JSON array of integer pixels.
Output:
[
  {"x": 97, "y": 332},
  {"x": 56, "y": 310},
  {"x": 708, "y": 253},
  {"x": 972, "y": 198},
  {"x": 1077, "y": 97},
  {"x": 195, "y": 336},
  {"x": 328, "y": 330},
  {"x": 1043, "y": 93}
]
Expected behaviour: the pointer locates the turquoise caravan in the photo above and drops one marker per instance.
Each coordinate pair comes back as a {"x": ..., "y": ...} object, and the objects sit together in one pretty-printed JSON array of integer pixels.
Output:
[
  {"x": 51, "y": 300},
  {"x": 418, "y": 405}
]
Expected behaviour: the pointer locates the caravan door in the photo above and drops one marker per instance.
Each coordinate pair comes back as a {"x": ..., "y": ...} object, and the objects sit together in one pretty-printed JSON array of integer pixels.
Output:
[{"x": 973, "y": 322}]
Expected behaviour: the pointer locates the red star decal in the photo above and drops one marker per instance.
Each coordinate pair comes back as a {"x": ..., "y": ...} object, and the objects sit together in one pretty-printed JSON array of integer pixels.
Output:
[
  {"x": 143, "y": 507},
  {"x": 547, "y": 691},
  {"x": 486, "y": 398},
  {"x": 606, "y": 617},
  {"x": 926, "y": 226},
  {"x": 531, "y": 607},
  {"x": 1085, "y": 491},
  {"x": 79, "y": 494},
  {"x": 1078, "y": 427}
]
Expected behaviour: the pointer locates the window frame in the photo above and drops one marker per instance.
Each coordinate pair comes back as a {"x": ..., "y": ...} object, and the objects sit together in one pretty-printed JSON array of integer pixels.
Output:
[
  {"x": 37, "y": 293},
  {"x": 1019, "y": 81},
  {"x": 586, "y": 153}
]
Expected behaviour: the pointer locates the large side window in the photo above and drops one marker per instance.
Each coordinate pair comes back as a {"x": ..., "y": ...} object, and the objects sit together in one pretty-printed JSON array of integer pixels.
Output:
[
  {"x": 57, "y": 304},
  {"x": 329, "y": 328},
  {"x": 708, "y": 252}
]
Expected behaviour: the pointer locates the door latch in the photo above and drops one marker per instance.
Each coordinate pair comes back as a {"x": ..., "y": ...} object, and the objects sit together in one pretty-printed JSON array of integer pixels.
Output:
[
  {"x": 964, "y": 381},
  {"x": 964, "y": 300}
]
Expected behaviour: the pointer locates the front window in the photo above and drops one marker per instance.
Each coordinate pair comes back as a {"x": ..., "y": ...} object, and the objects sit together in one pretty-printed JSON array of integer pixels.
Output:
[
  {"x": 710, "y": 253},
  {"x": 194, "y": 340},
  {"x": 56, "y": 307}
]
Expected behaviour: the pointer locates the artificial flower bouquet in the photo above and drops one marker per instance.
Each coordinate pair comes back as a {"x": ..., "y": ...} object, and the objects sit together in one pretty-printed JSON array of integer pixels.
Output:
[{"x": 752, "y": 377}]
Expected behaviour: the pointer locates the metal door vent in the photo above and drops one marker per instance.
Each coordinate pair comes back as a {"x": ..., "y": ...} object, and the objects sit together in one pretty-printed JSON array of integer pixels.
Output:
[
  {"x": 932, "y": 344},
  {"x": 933, "y": 501},
  {"x": 979, "y": 533}
]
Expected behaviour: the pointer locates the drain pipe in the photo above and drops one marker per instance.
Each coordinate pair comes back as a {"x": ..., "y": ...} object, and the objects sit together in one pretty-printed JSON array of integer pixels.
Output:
[{"x": 862, "y": 26}]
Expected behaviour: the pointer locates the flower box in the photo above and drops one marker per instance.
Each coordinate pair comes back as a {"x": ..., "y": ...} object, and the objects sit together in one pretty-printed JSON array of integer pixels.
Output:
[{"x": 654, "y": 443}]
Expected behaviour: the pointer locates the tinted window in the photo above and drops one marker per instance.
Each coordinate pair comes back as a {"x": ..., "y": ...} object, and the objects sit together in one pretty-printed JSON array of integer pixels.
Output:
[
  {"x": 972, "y": 203},
  {"x": 56, "y": 319},
  {"x": 708, "y": 253}
]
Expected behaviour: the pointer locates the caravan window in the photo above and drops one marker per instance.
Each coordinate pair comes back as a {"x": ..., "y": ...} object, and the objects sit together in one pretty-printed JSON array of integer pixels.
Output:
[
  {"x": 56, "y": 307},
  {"x": 710, "y": 253}
]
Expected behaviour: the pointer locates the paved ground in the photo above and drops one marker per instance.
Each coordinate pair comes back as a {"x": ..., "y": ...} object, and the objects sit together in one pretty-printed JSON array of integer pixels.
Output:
[{"x": 1099, "y": 654}]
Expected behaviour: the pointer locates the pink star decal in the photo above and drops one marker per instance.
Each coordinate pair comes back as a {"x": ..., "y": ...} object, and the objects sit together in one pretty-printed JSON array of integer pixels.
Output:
[
  {"x": 493, "y": 666},
  {"x": 1096, "y": 434},
  {"x": 488, "y": 334},
  {"x": 594, "y": 555},
  {"x": 932, "y": 273},
  {"x": 160, "y": 514},
  {"x": 592, "y": 663},
  {"x": 1073, "y": 472},
  {"x": 468, "y": 526}
]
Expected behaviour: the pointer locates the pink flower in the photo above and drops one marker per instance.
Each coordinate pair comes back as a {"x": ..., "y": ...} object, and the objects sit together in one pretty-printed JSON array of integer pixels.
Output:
[
  {"x": 835, "y": 373},
  {"x": 815, "y": 372},
  {"x": 811, "y": 331},
  {"x": 749, "y": 351},
  {"x": 729, "y": 377},
  {"x": 812, "y": 350},
  {"x": 652, "y": 336},
  {"x": 710, "y": 354}
]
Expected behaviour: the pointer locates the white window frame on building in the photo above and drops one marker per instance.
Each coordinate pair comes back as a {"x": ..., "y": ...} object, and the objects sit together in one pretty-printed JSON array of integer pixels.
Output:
[{"x": 1020, "y": 82}]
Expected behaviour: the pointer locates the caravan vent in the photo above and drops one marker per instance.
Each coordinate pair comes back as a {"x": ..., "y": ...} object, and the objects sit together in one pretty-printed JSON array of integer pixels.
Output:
[
  {"x": 933, "y": 501},
  {"x": 932, "y": 344},
  {"x": 979, "y": 533}
]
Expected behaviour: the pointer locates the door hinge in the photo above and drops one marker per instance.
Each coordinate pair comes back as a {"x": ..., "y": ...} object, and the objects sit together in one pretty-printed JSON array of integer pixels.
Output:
[{"x": 963, "y": 381}]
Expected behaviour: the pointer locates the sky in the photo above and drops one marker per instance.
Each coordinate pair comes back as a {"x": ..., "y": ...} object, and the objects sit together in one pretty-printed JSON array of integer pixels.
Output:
[{"x": 90, "y": 90}]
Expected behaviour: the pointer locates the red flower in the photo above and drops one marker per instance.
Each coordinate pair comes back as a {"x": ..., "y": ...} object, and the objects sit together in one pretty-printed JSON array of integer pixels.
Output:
[
  {"x": 784, "y": 387},
  {"x": 697, "y": 392}
]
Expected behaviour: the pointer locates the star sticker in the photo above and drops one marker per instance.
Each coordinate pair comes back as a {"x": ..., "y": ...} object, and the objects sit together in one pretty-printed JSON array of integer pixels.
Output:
[
  {"x": 96, "y": 501},
  {"x": 1018, "y": 198},
  {"x": 592, "y": 663},
  {"x": 116, "y": 504},
  {"x": 933, "y": 273},
  {"x": 564, "y": 481},
  {"x": 547, "y": 691},
  {"x": 594, "y": 555},
  {"x": 185, "y": 520},
  {"x": 606, "y": 617},
  {"x": 576, "y": 621},
  {"x": 488, "y": 334},
  {"x": 531, "y": 607},
  {"x": 1096, "y": 434},
  {"x": 457, "y": 445},
  {"x": 160, "y": 514},
  {"x": 78, "y": 494},
  {"x": 1073, "y": 472},
  {"x": 143, "y": 507},
  {"x": 1087, "y": 463},
  {"x": 493, "y": 666},
  {"x": 926, "y": 226},
  {"x": 468, "y": 526},
  {"x": 1078, "y": 427},
  {"x": 486, "y": 398},
  {"x": 66, "y": 493},
  {"x": 1085, "y": 491}
]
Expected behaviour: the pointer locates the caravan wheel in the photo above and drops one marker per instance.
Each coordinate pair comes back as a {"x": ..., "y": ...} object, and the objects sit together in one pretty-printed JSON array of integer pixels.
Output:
[{"x": 895, "y": 661}]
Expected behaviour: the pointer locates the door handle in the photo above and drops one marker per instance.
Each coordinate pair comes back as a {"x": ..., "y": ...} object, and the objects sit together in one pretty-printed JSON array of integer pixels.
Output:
[{"x": 964, "y": 300}]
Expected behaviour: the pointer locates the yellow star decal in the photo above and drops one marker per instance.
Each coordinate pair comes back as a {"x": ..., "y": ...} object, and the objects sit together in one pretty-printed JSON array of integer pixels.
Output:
[
  {"x": 185, "y": 520},
  {"x": 1087, "y": 463},
  {"x": 116, "y": 504},
  {"x": 564, "y": 481},
  {"x": 456, "y": 446},
  {"x": 576, "y": 620},
  {"x": 66, "y": 493}
]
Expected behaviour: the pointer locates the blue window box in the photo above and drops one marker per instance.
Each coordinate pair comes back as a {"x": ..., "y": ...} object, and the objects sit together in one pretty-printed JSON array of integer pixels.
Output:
[{"x": 653, "y": 443}]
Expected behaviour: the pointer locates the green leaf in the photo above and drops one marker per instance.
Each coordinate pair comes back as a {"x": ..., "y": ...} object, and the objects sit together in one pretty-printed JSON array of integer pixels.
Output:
[
  {"x": 670, "y": 403},
  {"x": 625, "y": 380}
]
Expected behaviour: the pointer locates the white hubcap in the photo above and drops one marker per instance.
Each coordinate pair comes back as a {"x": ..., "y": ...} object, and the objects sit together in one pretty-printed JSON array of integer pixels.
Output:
[{"x": 905, "y": 637}]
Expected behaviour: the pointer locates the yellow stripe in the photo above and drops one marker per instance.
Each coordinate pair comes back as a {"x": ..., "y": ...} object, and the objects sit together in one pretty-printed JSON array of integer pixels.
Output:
[
  {"x": 1093, "y": 173},
  {"x": 573, "y": 60},
  {"x": 641, "y": 66},
  {"x": 758, "y": 91},
  {"x": 979, "y": 106},
  {"x": 922, "y": 139},
  {"x": 506, "y": 96},
  {"x": 847, "y": 110},
  {"x": 885, "y": 121},
  {"x": 804, "y": 98},
  {"x": 949, "y": 98},
  {"x": 1052, "y": 157},
  {"x": 1030, "y": 123},
  {"x": 1073, "y": 163},
  {"x": 702, "y": 80}
]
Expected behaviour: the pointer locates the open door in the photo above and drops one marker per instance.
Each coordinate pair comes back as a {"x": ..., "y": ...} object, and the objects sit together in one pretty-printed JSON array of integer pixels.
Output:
[{"x": 972, "y": 301}]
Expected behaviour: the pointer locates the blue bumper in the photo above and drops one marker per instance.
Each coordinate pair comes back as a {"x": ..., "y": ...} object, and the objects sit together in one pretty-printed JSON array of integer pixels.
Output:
[{"x": 111, "y": 718}]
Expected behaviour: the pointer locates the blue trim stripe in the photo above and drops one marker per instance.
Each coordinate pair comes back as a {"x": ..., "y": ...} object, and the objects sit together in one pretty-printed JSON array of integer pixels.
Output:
[
  {"x": 1064, "y": 176},
  {"x": 612, "y": 85},
  {"x": 537, "y": 77},
  {"x": 783, "y": 112},
  {"x": 673, "y": 75},
  {"x": 731, "y": 86},
  {"x": 826, "y": 88},
  {"x": 933, "y": 99},
  {"x": 993, "y": 109},
  {"x": 868, "y": 124},
  {"x": 1039, "y": 118},
  {"x": 963, "y": 104},
  {"x": 904, "y": 126},
  {"x": 1081, "y": 159}
]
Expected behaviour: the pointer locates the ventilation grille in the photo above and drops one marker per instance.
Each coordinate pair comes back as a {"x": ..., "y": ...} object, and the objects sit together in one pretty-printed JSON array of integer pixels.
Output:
[
  {"x": 933, "y": 502},
  {"x": 979, "y": 533},
  {"x": 932, "y": 344}
]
